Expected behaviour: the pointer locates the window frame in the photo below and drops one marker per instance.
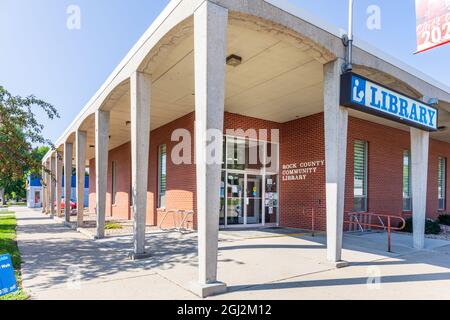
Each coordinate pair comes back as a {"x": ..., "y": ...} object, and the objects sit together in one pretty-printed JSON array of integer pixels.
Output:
[
  {"x": 113, "y": 182},
  {"x": 365, "y": 195},
  {"x": 442, "y": 189},
  {"x": 162, "y": 194},
  {"x": 409, "y": 197}
]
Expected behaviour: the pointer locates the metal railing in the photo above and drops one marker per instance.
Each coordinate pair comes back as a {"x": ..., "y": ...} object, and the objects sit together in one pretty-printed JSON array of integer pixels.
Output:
[
  {"x": 361, "y": 220},
  {"x": 312, "y": 211},
  {"x": 179, "y": 218}
]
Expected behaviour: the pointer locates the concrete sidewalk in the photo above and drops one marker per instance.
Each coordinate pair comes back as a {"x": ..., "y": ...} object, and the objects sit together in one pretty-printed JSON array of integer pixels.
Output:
[
  {"x": 55, "y": 257},
  {"x": 255, "y": 265}
]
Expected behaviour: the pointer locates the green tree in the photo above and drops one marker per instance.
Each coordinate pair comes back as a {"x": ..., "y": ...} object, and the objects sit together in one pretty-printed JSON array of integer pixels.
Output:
[
  {"x": 18, "y": 186},
  {"x": 19, "y": 132},
  {"x": 39, "y": 153}
]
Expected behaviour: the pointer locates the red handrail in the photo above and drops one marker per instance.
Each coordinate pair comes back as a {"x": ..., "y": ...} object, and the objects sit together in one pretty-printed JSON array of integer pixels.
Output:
[
  {"x": 380, "y": 217},
  {"x": 313, "y": 218}
]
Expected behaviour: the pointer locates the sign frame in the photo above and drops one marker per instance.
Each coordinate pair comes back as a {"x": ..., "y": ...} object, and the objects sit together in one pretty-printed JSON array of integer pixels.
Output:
[
  {"x": 8, "y": 282},
  {"x": 347, "y": 101}
]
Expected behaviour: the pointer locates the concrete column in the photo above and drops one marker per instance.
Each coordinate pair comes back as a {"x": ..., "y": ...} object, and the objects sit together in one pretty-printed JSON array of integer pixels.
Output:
[
  {"x": 81, "y": 140},
  {"x": 49, "y": 186},
  {"x": 101, "y": 167},
  {"x": 44, "y": 191},
  {"x": 336, "y": 124},
  {"x": 419, "y": 178},
  {"x": 59, "y": 178},
  {"x": 52, "y": 185},
  {"x": 210, "y": 44},
  {"x": 68, "y": 156},
  {"x": 140, "y": 138},
  {"x": 47, "y": 189}
]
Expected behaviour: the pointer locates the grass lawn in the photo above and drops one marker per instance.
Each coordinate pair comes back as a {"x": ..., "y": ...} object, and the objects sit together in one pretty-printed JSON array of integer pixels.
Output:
[
  {"x": 8, "y": 244},
  {"x": 6, "y": 212},
  {"x": 18, "y": 204}
]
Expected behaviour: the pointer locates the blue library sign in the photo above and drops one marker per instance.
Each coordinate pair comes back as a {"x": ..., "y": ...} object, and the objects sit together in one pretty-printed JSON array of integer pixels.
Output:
[
  {"x": 8, "y": 282},
  {"x": 364, "y": 95}
]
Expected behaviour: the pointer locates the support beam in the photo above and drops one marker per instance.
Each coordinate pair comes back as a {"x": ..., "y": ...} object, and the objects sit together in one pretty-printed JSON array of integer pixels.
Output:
[
  {"x": 49, "y": 183},
  {"x": 210, "y": 44},
  {"x": 101, "y": 167},
  {"x": 59, "y": 180},
  {"x": 81, "y": 140},
  {"x": 140, "y": 139},
  {"x": 47, "y": 188},
  {"x": 419, "y": 175},
  {"x": 44, "y": 188},
  {"x": 52, "y": 185},
  {"x": 336, "y": 125},
  {"x": 68, "y": 157}
]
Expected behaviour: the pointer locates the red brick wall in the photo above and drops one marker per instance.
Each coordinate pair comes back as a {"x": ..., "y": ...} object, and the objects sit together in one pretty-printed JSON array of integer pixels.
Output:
[
  {"x": 385, "y": 165},
  {"x": 180, "y": 180},
  {"x": 385, "y": 181},
  {"x": 121, "y": 208},
  {"x": 437, "y": 149},
  {"x": 235, "y": 121},
  {"x": 301, "y": 140}
]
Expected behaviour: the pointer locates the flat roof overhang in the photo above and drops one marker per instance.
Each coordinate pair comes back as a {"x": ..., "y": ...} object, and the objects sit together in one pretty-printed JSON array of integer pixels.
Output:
[{"x": 280, "y": 78}]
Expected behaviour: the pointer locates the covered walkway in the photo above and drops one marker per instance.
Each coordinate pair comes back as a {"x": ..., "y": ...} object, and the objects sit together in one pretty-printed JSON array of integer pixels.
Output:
[
  {"x": 205, "y": 60},
  {"x": 59, "y": 263}
]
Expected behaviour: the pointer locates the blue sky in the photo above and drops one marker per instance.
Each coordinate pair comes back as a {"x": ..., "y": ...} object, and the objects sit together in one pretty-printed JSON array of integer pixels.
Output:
[{"x": 40, "y": 55}]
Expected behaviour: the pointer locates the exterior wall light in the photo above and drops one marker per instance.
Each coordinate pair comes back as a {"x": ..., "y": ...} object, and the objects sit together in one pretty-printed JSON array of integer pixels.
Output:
[
  {"x": 442, "y": 128},
  {"x": 433, "y": 101},
  {"x": 234, "y": 60},
  {"x": 128, "y": 124}
]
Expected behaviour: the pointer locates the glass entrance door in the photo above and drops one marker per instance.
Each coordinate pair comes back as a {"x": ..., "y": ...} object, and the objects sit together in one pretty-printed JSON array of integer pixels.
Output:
[
  {"x": 244, "y": 199},
  {"x": 253, "y": 199},
  {"x": 235, "y": 199},
  {"x": 249, "y": 189}
]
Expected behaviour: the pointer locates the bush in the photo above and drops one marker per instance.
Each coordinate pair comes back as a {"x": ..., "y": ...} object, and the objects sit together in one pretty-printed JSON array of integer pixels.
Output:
[
  {"x": 431, "y": 227},
  {"x": 444, "y": 219},
  {"x": 112, "y": 226}
]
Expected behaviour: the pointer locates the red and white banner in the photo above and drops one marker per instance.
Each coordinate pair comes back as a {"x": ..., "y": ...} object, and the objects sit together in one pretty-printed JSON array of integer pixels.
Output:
[{"x": 433, "y": 23}]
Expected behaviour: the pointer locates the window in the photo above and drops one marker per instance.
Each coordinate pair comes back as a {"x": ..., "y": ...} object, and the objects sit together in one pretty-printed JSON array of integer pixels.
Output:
[
  {"x": 407, "y": 200},
  {"x": 360, "y": 176},
  {"x": 442, "y": 182},
  {"x": 162, "y": 169},
  {"x": 248, "y": 154},
  {"x": 114, "y": 183},
  {"x": 236, "y": 153}
]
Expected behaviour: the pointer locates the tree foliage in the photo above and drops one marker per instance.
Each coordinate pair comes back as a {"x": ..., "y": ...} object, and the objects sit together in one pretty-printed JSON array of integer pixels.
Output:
[{"x": 20, "y": 131}]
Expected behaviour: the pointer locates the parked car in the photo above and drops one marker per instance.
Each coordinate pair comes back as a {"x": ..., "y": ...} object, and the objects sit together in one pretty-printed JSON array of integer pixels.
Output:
[{"x": 73, "y": 204}]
